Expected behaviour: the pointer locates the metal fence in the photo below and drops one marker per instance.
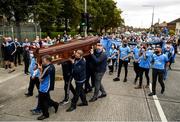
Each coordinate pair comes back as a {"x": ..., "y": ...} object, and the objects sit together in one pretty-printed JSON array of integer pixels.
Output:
[{"x": 29, "y": 31}]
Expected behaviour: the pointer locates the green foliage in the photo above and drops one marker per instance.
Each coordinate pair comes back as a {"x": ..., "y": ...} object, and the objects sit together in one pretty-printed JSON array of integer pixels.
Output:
[
  {"x": 58, "y": 15},
  {"x": 172, "y": 32}
]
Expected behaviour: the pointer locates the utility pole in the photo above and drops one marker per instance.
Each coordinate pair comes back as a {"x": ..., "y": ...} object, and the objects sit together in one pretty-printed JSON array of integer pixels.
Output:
[{"x": 85, "y": 11}]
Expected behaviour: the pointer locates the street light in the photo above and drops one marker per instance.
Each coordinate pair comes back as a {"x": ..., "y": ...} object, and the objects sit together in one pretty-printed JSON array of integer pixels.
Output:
[
  {"x": 85, "y": 11},
  {"x": 151, "y": 6}
]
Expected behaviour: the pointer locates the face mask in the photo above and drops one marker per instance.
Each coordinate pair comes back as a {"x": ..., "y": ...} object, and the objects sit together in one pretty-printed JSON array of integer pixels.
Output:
[
  {"x": 31, "y": 55},
  {"x": 98, "y": 50},
  {"x": 156, "y": 52},
  {"x": 125, "y": 45}
]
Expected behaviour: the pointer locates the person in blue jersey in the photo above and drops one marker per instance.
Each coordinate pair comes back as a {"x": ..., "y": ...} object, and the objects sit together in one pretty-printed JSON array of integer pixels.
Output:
[
  {"x": 47, "y": 81},
  {"x": 34, "y": 76},
  {"x": 11, "y": 51},
  {"x": 17, "y": 53},
  {"x": 144, "y": 66},
  {"x": 169, "y": 52},
  {"x": 159, "y": 61},
  {"x": 99, "y": 58},
  {"x": 26, "y": 59},
  {"x": 123, "y": 57},
  {"x": 79, "y": 75},
  {"x": 136, "y": 51},
  {"x": 112, "y": 58},
  {"x": 26, "y": 43}
]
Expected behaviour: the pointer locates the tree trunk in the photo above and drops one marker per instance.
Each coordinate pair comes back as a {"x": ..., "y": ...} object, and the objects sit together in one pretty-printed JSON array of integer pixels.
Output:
[
  {"x": 18, "y": 31},
  {"x": 66, "y": 24}
]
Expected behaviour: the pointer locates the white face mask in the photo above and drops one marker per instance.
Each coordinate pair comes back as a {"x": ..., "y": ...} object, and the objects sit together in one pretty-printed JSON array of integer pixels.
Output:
[{"x": 31, "y": 55}]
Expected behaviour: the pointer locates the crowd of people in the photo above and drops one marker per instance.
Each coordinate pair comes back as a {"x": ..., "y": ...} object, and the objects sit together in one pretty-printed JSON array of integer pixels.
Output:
[{"x": 146, "y": 51}]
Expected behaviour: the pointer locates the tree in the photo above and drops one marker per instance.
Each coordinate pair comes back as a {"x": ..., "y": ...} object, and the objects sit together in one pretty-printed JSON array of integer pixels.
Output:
[
  {"x": 46, "y": 12},
  {"x": 15, "y": 10}
]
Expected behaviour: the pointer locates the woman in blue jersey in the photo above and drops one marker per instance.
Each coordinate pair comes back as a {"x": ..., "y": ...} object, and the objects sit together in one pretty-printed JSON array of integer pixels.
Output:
[
  {"x": 144, "y": 66},
  {"x": 112, "y": 58}
]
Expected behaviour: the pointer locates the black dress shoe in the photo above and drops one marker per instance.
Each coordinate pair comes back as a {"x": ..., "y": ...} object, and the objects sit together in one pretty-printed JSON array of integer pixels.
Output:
[
  {"x": 70, "y": 109},
  {"x": 125, "y": 80},
  {"x": 42, "y": 117},
  {"x": 102, "y": 95},
  {"x": 93, "y": 99},
  {"x": 162, "y": 91},
  {"x": 56, "y": 107},
  {"x": 83, "y": 104},
  {"x": 28, "y": 94},
  {"x": 151, "y": 94},
  {"x": 116, "y": 79}
]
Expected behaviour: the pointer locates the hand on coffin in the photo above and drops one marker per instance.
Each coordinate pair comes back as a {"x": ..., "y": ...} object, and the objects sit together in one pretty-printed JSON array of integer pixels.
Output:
[
  {"x": 92, "y": 51},
  {"x": 72, "y": 60}
]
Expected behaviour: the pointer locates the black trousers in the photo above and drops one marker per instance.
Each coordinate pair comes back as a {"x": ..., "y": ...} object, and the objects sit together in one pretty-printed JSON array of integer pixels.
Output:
[
  {"x": 111, "y": 68},
  {"x": 136, "y": 70},
  {"x": 32, "y": 83},
  {"x": 44, "y": 102},
  {"x": 26, "y": 66},
  {"x": 17, "y": 57},
  {"x": 68, "y": 87},
  {"x": 157, "y": 75},
  {"x": 142, "y": 70},
  {"x": 125, "y": 63},
  {"x": 89, "y": 74},
  {"x": 79, "y": 93}
]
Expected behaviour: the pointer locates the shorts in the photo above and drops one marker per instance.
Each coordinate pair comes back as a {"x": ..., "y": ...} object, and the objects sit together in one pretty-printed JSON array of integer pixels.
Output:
[{"x": 11, "y": 58}]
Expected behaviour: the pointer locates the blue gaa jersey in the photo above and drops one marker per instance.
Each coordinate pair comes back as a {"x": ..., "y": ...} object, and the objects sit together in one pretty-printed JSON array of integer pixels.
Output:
[
  {"x": 36, "y": 73},
  {"x": 145, "y": 61},
  {"x": 11, "y": 46},
  {"x": 159, "y": 61},
  {"x": 113, "y": 53},
  {"x": 45, "y": 83},
  {"x": 136, "y": 53},
  {"x": 32, "y": 65},
  {"x": 124, "y": 51}
]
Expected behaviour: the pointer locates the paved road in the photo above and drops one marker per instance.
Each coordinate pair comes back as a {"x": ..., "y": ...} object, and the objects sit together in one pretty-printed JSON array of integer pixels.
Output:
[{"x": 122, "y": 103}]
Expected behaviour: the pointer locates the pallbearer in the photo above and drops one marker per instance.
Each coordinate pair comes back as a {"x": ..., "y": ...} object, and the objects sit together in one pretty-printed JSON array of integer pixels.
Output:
[
  {"x": 79, "y": 75},
  {"x": 100, "y": 59}
]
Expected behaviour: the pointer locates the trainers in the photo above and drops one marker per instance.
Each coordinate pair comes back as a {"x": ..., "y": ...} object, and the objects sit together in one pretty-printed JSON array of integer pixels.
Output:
[
  {"x": 93, "y": 99},
  {"x": 151, "y": 94},
  {"x": 116, "y": 79},
  {"x": 102, "y": 95},
  {"x": 64, "y": 102},
  {"x": 42, "y": 117},
  {"x": 125, "y": 80},
  {"x": 35, "y": 112},
  {"x": 70, "y": 109},
  {"x": 147, "y": 86},
  {"x": 28, "y": 94},
  {"x": 162, "y": 91}
]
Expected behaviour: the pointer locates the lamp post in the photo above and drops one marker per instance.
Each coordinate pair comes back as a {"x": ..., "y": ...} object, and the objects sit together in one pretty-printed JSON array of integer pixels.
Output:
[
  {"x": 85, "y": 11},
  {"x": 153, "y": 7}
]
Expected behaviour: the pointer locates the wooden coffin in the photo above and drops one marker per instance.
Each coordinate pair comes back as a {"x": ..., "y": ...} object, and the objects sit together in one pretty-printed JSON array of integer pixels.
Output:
[{"x": 62, "y": 52}]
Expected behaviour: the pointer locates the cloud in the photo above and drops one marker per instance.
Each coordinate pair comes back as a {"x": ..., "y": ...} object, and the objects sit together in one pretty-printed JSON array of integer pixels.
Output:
[{"x": 138, "y": 16}]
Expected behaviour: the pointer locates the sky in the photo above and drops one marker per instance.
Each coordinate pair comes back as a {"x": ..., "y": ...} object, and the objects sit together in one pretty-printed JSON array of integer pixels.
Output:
[{"x": 137, "y": 15}]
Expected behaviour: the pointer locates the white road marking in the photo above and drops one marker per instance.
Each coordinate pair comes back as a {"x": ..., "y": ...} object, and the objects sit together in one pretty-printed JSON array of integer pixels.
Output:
[
  {"x": 10, "y": 77},
  {"x": 1, "y": 106},
  {"x": 158, "y": 106}
]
